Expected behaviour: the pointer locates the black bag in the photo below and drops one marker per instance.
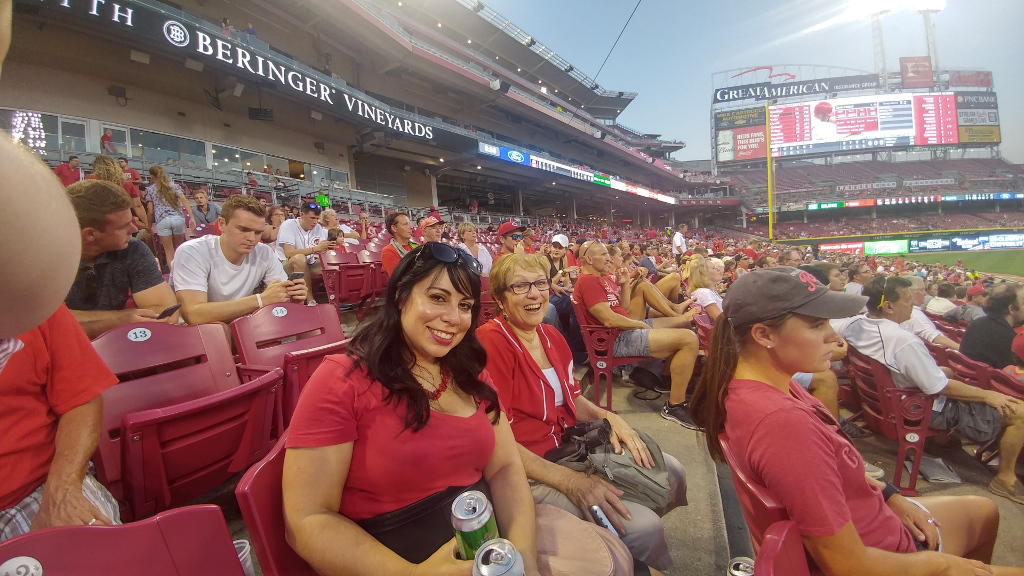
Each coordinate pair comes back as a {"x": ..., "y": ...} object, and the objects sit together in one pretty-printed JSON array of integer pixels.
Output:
[{"x": 416, "y": 531}]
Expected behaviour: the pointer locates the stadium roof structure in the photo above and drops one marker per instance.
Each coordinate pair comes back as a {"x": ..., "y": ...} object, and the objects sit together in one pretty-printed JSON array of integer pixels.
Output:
[{"x": 491, "y": 33}]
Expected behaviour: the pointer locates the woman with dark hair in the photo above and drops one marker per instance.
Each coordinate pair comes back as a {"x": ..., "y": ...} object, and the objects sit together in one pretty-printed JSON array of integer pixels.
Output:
[
  {"x": 407, "y": 420},
  {"x": 774, "y": 323}
]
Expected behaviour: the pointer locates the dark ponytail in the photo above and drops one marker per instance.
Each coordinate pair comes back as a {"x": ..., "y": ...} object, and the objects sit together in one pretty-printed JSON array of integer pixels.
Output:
[{"x": 707, "y": 406}]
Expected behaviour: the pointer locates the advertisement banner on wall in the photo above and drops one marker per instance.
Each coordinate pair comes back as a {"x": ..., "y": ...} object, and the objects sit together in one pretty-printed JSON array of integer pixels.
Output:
[
  {"x": 982, "y": 100},
  {"x": 930, "y": 245},
  {"x": 987, "y": 242},
  {"x": 845, "y": 247},
  {"x": 741, "y": 144},
  {"x": 965, "y": 79},
  {"x": 769, "y": 91},
  {"x": 739, "y": 118},
  {"x": 972, "y": 117},
  {"x": 917, "y": 72},
  {"x": 980, "y": 134},
  {"x": 887, "y": 247}
]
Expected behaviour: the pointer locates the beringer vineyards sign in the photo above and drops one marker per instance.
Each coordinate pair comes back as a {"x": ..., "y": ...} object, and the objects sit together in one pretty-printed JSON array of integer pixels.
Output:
[{"x": 181, "y": 34}]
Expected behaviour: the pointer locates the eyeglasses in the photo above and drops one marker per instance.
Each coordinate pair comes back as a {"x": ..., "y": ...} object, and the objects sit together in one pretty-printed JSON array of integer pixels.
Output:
[
  {"x": 516, "y": 236},
  {"x": 521, "y": 288},
  {"x": 885, "y": 287},
  {"x": 445, "y": 253}
]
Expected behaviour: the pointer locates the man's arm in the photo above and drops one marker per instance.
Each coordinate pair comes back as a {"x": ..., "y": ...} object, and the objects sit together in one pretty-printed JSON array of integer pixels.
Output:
[
  {"x": 96, "y": 322},
  {"x": 943, "y": 341},
  {"x": 63, "y": 504},
  {"x": 197, "y": 309},
  {"x": 290, "y": 250},
  {"x": 610, "y": 319},
  {"x": 158, "y": 298}
]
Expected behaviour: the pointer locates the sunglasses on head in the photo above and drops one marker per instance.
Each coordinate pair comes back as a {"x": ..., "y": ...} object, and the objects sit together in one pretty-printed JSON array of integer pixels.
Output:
[{"x": 445, "y": 253}]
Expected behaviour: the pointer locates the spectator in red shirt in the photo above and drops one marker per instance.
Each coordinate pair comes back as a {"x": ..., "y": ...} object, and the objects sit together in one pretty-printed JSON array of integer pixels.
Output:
[
  {"x": 529, "y": 237},
  {"x": 68, "y": 172},
  {"x": 106, "y": 142},
  {"x": 665, "y": 338},
  {"x": 104, "y": 168},
  {"x": 774, "y": 324},
  {"x": 408, "y": 413},
  {"x": 400, "y": 227},
  {"x": 511, "y": 236},
  {"x": 130, "y": 174},
  {"x": 751, "y": 250},
  {"x": 51, "y": 417}
]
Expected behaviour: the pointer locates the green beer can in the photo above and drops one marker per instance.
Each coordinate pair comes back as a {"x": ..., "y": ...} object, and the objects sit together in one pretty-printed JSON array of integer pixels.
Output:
[{"x": 473, "y": 521}]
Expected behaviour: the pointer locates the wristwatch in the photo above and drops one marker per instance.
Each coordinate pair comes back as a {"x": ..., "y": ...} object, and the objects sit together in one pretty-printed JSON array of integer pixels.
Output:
[{"x": 890, "y": 490}]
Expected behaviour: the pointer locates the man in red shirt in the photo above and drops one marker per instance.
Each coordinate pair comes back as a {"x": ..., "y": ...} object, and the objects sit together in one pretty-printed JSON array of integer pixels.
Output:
[
  {"x": 751, "y": 250},
  {"x": 130, "y": 174},
  {"x": 529, "y": 237},
  {"x": 400, "y": 227},
  {"x": 51, "y": 415},
  {"x": 666, "y": 338},
  {"x": 107, "y": 142},
  {"x": 68, "y": 172},
  {"x": 511, "y": 236}
]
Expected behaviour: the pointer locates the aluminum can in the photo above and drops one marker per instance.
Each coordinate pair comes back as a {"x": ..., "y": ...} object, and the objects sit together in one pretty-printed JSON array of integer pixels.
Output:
[
  {"x": 741, "y": 566},
  {"x": 473, "y": 521},
  {"x": 498, "y": 557}
]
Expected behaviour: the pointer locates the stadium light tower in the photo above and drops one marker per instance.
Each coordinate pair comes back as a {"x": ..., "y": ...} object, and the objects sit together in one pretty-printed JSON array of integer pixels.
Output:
[
  {"x": 875, "y": 9},
  {"x": 879, "y": 43},
  {"x": 927, "y": 8}
]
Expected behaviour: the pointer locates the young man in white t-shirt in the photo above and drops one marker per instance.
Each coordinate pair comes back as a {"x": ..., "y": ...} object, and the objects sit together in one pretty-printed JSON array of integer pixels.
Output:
[
  {"x": 222, "y": 278},
  {"x": 679, "y": 241},
  {"x": 300, "y": 240}
]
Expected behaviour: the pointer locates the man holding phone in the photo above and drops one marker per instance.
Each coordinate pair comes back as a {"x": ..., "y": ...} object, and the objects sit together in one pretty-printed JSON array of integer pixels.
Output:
[
  {"x": 299, "y": 241},
  {"x": 114, "y": 265},
  {"x": 222, "y": 278}
]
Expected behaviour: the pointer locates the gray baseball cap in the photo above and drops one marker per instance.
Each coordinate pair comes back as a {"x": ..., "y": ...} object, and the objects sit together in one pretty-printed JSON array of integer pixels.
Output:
[{"x": 769, "y": 292}]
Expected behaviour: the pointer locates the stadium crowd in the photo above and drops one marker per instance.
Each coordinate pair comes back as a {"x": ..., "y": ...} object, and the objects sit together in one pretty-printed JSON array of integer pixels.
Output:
[{"x": 424, "y": 400}]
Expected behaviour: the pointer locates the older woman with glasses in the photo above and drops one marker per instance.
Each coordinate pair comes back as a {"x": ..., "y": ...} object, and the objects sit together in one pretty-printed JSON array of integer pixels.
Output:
[{"x": 533, "y": 371}]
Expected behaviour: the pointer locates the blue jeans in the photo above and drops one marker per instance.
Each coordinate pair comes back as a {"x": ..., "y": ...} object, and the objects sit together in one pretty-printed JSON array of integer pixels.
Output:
[{"x": 562, "y": 316}]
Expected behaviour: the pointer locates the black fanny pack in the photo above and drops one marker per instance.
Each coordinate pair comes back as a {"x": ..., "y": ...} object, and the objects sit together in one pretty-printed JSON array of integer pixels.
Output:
[{"x": 416, "y": 531}]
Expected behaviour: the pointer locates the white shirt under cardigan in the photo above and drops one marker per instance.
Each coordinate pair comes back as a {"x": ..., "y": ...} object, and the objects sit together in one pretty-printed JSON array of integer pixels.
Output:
[{"x": 903, "y": 353}]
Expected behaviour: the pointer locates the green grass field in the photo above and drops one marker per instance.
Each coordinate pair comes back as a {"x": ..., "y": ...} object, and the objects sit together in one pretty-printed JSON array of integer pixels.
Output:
[{"x": 995, "y": 261}]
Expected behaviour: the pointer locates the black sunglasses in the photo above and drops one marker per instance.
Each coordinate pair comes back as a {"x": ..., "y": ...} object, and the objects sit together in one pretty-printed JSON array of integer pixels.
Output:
[{"x": 445, "y": 253}]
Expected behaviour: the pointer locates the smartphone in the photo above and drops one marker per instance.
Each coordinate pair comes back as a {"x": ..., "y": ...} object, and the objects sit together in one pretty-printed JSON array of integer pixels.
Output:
[
  {"x": 601, "y": 519},
  {"x": 296, "y": 275},
  {"x": 168, "y": 311}
]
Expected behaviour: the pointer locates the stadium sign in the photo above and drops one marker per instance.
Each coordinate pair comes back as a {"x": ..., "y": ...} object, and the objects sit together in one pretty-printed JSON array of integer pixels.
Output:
[
  {"x": 959, "y": 78},
  {"x": 983, "y": 100},
  {"x": 769, "y": 91},
  {"x": 247, "y": 61},
  {"x": 825, "y": 205},
  {"x": 934, "y": 182},
  {"x": 870, "y": 186}
]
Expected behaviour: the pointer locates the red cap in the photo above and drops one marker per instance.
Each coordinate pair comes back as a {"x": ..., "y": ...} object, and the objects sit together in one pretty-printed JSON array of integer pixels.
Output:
[
  {"x": 976, "y": 290},
  {"x": 429, "y": 221},
  {"x": 509, "y": 227},
  {"x": 822, "y": 109}
]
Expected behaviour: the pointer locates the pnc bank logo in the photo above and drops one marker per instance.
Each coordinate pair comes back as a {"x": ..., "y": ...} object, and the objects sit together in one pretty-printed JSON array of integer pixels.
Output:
[
  {"x": 176, "y": 33},
  {"x": 516, "y": 156}
]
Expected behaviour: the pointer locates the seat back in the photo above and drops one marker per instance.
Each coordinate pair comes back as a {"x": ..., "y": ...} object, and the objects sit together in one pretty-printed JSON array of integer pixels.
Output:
[
  {"x": 871, "y": 379},
  {"x": 782, "y": 552},
  {"x": 262, "y": 505},
  {"x": 190, "y": 541},
  {"x": 970, "y": 371},
  {"x": 337, "y": 258},
  {"x": 174, "y": 454},
  {"x": 1005, "y": 384},
  {"x": 379, "y": 284},
  {"x": 938, "y": 353},
  {"x": 760, "y": 510},
  {"x": 346, "y": 279},
  {"x": 158, "y": 365},
  {"x": 704, "y": 328},
  {"x": 265, "y": 336}
]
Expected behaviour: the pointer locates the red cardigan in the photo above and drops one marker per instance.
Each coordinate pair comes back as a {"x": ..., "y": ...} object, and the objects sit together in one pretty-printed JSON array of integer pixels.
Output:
[{"x": 524, "y": 391}]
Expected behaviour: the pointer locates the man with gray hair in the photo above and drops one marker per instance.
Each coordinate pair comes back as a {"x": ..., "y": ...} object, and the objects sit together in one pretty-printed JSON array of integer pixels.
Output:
[
  {"x": 919, "y": 323},
  {"x": 791, "y": 257}
]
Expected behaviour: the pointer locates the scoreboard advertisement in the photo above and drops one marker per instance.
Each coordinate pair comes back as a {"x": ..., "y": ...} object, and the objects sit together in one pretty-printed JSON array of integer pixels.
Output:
[{"x": 859, "y": 123}]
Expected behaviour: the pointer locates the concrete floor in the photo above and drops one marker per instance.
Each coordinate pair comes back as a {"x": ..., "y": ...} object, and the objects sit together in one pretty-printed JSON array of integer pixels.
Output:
[{"x": 704, "y": 535}]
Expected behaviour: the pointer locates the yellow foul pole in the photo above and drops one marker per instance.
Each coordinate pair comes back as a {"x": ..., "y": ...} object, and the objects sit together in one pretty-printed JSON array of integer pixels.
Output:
[{"x": 771, "y": 181}]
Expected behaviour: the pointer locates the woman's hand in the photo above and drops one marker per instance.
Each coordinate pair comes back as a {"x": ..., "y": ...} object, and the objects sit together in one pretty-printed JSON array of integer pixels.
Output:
[
  {"x": 586, "y": 491},
  {"x": 444, "y": 563},
  {"x": 957, "y": 566},
  {"x": 923, "y": 527},
  {"x": 621, "y": 434}
]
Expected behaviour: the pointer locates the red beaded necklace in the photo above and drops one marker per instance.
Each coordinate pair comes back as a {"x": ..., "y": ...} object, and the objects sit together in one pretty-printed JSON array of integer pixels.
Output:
[{"x": 446, "y": 376}]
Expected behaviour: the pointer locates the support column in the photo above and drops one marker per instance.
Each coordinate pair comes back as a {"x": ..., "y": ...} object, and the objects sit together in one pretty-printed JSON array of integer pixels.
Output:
[
  {"x": 517, "y": 199},
  {"x": 805, "y": 216},
  {"x": 744, "y": 215},
  {"x": 696, "y": 220},
  {"x": 649, "y": 219},
  {"x": 572, "y": 209},
  {"x": 611, "y": 214},
  {"x": 420, "y": 188},
  {"x": 637, "y": 221},
  {"x": 874, "y": 213},
  {"x": 672, "y": 220}
]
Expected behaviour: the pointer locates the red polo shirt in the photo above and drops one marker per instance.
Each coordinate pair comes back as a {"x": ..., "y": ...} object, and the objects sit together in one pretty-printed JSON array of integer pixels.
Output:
[{"x": 67, "y": 175}]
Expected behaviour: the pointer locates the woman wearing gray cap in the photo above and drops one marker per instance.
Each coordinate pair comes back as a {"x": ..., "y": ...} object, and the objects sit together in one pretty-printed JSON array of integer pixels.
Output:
[{"x": 774, "y": 324}]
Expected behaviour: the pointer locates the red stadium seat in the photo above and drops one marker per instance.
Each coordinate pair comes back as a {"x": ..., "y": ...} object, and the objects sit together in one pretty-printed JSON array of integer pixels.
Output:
[
  {"x": 900, "y": 414},
  {"x": 190, "y": 541},
  {"x": 760, "y": 510},
  {"x": 181, "y": 382},
  {"x": 290, "y": 336},
  {"x": 262, "y": 505},
  {"x": 938, "y": 352},
  {"x": 969, "y": 371},
  {"x": 705, "y": 326},
  {"x": 378, "y": 282},
  {"x": 782, "y": 552},
  {"x": 600, "y": 342},
  {"x": 347, "y": 280}
]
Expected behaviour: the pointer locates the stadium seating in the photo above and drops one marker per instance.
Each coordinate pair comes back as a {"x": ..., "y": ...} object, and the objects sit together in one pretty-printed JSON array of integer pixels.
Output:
[
  {"x": 760, "y": 510},
  {"x": 600, "y": 343},
  {"x": 291, "y": 336},
  {"x": 183, "y": 419},
  {"x": 969, "y": 371},
  {"x": 262, "y": 505},
  {"x": 900, "y": 414},
  {"x": 347, "y": 281},
  {"x": 189, "y": 541},
  {"x": 782, "y": 552}
]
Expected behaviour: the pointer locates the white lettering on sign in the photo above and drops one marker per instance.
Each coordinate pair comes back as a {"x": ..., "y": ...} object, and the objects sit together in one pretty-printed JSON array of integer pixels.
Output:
[
  {"x": 139, "y": 334},
  {"x": 279, "y": 311},
  {"x": 382, "y": 117}
]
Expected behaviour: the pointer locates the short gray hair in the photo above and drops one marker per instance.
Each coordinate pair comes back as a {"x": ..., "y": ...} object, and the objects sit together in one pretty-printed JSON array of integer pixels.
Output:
[{"x": 916, "y": 282}]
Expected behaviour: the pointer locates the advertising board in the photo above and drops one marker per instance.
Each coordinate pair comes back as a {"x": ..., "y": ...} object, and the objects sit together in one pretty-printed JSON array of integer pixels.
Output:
[
  {"x": 886, "y": 247},
  {"x": 863, "y": 123},
  {"x": 930, "y": 245},
  {"x": 917, "y": 72},
  {"x": 987, "y": 242},
  {"x": 845, "y": 247},
  {"x": 971, "y": 79},
  {"x": 739, "y": 144},
  {"x": 985, "y": 134}
]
